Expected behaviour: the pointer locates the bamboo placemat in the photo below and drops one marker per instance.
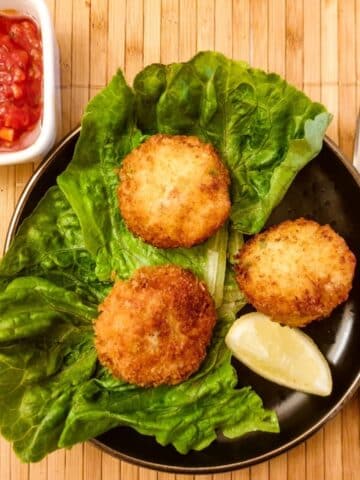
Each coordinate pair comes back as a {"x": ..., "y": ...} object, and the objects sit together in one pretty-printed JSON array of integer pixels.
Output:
[{"x": 315, "y": 44}]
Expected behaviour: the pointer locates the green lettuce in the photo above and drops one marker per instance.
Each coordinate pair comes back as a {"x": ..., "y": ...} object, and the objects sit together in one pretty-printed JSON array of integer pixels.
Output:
[
  {"x": 50, "y": 243},
  {"x": 186, "y": 416},
  {"x": 39, "y": 376},
  {"x": 90, "y": 183},
  {"x": 67, "y": 254},
  {"x": 265, "y": 129},
  {"x": 53, "y": 392}
]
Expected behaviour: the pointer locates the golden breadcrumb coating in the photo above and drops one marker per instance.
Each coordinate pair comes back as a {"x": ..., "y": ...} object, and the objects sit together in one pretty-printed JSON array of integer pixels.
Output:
[
  {"x": 296, "y": 272},
  {"x": 174, "y": 191},
  {"x": 154, "y": 328}
]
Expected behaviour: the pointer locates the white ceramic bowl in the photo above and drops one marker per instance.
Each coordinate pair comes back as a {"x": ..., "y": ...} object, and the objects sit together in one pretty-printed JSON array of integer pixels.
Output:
[{"x": 37, "y": 9}]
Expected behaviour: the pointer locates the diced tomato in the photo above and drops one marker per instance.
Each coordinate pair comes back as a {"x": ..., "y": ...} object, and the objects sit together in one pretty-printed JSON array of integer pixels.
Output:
[
  {"x": 20, "y": 58},
  {"x": 20, "y": 78},
  {"x": 35, "y": 54},
  {"x": 25, "y": 34},
  {"x": 17, "y": 91},
  {"x": 18, "y": 118},
  {"x": 5, "y": 78},
  {"x": 7, "y": 134},
  {"x": 5, "y": 92},
  {"x": 18, "y": 74}
]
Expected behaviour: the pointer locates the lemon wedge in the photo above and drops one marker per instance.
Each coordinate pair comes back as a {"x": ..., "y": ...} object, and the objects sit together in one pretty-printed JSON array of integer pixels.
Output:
[{"x": 284, "y": 355}]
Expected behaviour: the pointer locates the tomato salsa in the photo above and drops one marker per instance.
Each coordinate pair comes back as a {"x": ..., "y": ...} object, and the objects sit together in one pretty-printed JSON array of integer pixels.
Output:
[{"x": 20, "y": 80}]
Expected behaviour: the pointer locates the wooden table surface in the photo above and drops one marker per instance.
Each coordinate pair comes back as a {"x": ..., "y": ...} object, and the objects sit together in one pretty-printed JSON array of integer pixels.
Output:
[{"x": 315, "y": 44}]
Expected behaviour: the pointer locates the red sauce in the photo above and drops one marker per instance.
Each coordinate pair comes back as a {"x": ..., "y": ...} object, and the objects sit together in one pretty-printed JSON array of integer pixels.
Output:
[{"x": 20, "y": 80}]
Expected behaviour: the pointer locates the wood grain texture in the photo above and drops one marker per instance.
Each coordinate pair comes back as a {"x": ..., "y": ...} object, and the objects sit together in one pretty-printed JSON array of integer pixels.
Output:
[
  {"x": 64, "y": 33},
  {"x": 187, "y": 29},
  {"x": 314, "y": 447},
  {"x": 312, "y": 49},
  {"x": 80, "y": 60},
  {"x": 110, "y": 467},
  {"x": 329, "y": 63},
  {"x": 259, "y": 16},
  {"x": 223, "y": 26},
  {"x": 55, "y": 465},
  {"x": 169, "y": 31},
  {"x": 152, "y": 17},
  {"x": 116, "y": 37},
  {"x": 276, "y": 48},
  {"x": 315, "y": 44},
  {"x": 241, "y": 30},
  {"x": 134, "y": 39},
  {"x": 92, "y": 462},
  {"x": 276, "y": 42},
  {"x": 205, "y": 25}
]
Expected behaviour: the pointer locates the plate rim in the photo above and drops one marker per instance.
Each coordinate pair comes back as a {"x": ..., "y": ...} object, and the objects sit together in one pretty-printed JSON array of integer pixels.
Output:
[{"x": 349, "y": 393}]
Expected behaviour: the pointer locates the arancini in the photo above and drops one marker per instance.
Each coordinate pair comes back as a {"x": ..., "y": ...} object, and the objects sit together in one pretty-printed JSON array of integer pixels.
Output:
[
  {"x": 296, "y": 272},
  {"x": 154, "y": 328},
  {"x": 174, "y": 191}
]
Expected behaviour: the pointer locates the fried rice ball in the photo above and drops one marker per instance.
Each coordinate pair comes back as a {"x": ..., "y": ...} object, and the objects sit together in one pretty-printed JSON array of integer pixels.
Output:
[
  {"x": 296, "y": 272},
  {"x": 154, "y": 328},
  {"x": 174, "y": 191}
]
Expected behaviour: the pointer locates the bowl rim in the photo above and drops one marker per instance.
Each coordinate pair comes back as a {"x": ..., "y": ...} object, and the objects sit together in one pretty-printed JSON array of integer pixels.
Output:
[{"x": 351, "y": 390}]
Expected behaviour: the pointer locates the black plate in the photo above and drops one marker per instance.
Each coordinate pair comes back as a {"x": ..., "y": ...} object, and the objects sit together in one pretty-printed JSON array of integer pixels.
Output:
[{"x": 327, "y": 190}]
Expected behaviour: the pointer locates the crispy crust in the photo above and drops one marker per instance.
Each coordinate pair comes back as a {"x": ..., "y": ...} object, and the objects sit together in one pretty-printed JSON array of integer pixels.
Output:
[
  {"x": 296, "y": 272},
  {"x": 174, "y": 191},
  {"x": 154, "y": 328}
]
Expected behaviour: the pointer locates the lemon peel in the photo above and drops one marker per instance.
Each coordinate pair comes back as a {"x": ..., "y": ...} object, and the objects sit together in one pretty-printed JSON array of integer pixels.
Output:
[{"x": 281, "y": 354}]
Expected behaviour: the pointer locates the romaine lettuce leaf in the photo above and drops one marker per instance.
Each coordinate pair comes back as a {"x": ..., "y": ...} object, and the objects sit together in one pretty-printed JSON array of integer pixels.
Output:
[
  {"x": 50, "y": 237},
  {"x": 50, "y": 243},
  {"x": 38, "y": 378},
  {"x": 39, "y": 303},
  {"x": 90, "y": 185},
  {"x": 265, "y": 129},
  {"x": 53, "y": 392},
  {"x": 186, "y": 416}
]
